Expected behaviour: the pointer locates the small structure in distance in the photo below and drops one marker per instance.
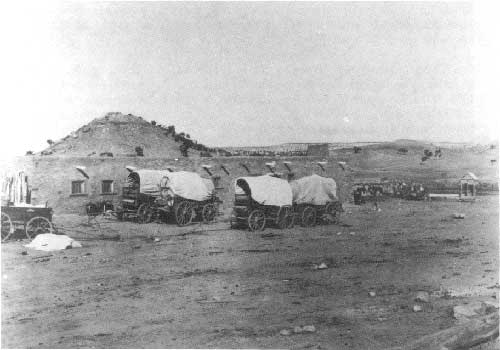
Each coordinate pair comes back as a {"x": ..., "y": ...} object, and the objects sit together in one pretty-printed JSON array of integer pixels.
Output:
[{"x": 468, "y": 184}]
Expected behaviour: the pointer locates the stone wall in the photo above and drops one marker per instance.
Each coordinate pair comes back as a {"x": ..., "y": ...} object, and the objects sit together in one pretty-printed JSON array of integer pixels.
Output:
[
  {"x": 51, "y": 177},
  {"x": 318, "y": 150}
]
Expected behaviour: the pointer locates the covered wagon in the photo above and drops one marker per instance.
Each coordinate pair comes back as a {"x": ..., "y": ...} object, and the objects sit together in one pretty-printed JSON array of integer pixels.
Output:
[
  {"x": 315, "y": 200},
  {"x": 261, "y": 200},
  {"x": 184, "y": 195}
]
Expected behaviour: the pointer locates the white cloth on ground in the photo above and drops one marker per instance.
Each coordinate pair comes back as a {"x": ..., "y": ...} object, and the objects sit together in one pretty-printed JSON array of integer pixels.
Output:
[{"x": 50, "y": 242}]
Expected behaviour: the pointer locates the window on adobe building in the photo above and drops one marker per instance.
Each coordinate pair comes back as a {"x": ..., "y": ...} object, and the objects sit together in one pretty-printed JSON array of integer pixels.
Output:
[
  {"x": 107, "y": 187},
  {"x": 78, "y": 187}
]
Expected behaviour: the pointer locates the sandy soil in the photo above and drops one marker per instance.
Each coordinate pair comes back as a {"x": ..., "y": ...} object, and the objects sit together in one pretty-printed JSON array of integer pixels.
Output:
[{"x": 209, "y": 286}]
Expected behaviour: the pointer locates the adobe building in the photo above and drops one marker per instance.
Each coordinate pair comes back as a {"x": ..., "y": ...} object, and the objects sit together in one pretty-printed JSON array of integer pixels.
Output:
[
  {"x": 68, "y": 183},
  {"x": 90, "y": 164}
]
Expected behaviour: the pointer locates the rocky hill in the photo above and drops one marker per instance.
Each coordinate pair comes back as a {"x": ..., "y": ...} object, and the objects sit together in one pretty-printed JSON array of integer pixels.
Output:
[{"x": 118, "y": 135}]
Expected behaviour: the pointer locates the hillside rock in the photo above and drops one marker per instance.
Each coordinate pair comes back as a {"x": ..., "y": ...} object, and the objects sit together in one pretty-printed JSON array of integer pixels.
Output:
[{"x": 118, "y": 134}]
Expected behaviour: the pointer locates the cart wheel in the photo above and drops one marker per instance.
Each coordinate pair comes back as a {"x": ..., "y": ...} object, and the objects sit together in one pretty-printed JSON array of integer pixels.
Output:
[
  {"x": 7, "y": 227},
  {"x": 308, "y": 217},
  {"x": 37, "y": 225},
  {"x": 208, "y": 212},
  {"x": 184, "y": 213},
  {"x": 257, "y": 220}
]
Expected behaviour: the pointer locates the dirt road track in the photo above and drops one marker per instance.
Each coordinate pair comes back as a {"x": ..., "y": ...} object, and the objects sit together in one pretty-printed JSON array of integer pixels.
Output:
[{"x": 210, "y": 287}]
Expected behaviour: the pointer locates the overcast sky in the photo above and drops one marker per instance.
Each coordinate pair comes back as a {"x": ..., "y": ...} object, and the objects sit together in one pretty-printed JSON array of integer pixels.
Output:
[{"x": 248, "y": 73}]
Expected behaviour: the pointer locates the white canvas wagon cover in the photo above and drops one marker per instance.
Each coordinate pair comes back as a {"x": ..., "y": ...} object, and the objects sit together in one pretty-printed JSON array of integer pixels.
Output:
[
  {"x": 189, "y": 185},
  {"x": 185, "y": 184},
  {"x": 147, "y": 179},
  {"x": 314, "y": 189},
  {"x": 265, "y": 190}
]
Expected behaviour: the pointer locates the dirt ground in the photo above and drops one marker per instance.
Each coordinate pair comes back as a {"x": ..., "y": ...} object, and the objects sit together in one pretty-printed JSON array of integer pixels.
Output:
[{"x": 212, "y": 287}]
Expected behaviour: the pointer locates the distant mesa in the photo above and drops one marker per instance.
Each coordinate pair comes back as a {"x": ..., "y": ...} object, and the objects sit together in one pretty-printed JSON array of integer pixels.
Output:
[{"x": 410, "y": 142}]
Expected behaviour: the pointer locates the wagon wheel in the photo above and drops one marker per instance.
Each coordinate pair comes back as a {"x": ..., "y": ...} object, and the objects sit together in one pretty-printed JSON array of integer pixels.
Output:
[
  {"x": 308, "y": 217},
  {"x": 141, "y": 213},
  {"x": 331, "y": 212},
  {"x": 184, "y": 213},
  {"x": 284, "y": 219},
  {"x": 257, "y": 220},
  {"x": 37, "y": 225},
  {"x": 208, "y": 212},
  {"x": 7, "y": 227}
]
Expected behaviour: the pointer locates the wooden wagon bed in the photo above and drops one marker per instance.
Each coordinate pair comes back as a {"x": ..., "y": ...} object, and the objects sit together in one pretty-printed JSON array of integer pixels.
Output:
[{"x": 32, "y": 219}]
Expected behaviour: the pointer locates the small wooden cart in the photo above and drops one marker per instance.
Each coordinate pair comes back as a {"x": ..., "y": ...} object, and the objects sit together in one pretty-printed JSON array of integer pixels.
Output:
[{"x": 33, "y": 220}]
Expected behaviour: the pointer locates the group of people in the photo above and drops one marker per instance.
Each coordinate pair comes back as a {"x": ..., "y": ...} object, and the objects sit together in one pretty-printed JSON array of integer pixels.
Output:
[
  {"x": 398, "y": 189},
  {"x": 365, "y": 192},
  {"x": 412, "y": 191}
]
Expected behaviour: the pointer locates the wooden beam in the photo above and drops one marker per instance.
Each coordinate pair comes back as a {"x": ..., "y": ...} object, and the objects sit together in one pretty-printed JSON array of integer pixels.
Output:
[
  {"x": 224, "y": 168},
  {"x": 246, "y": 167},
  {"x": 288, "y": 164}
]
